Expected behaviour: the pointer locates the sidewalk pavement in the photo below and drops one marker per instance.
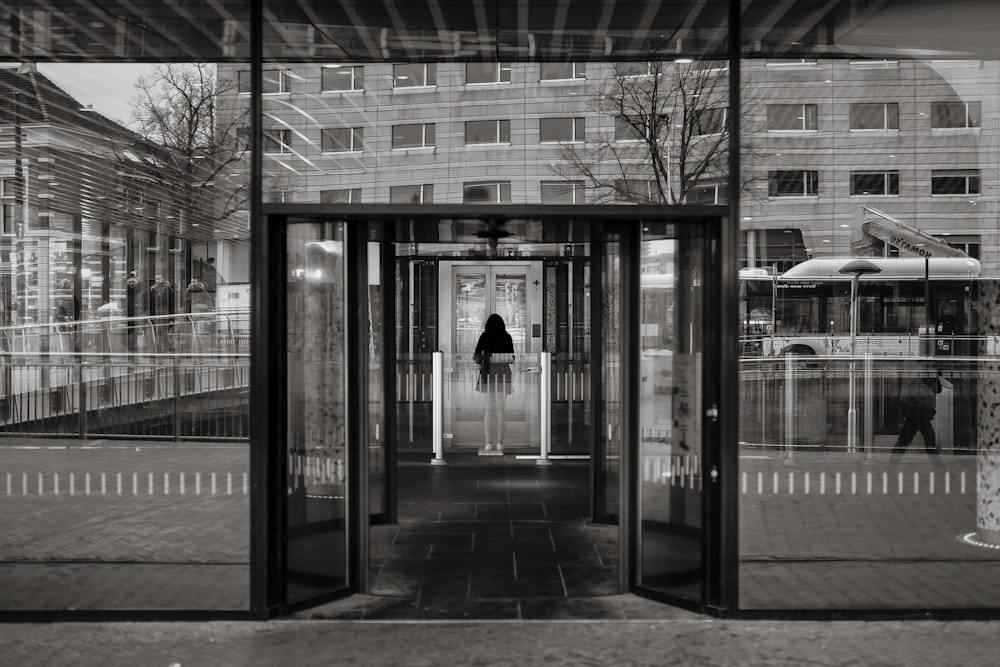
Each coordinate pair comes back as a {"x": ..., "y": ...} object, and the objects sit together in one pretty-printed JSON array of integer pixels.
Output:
[{"x": 690, "y": 641}]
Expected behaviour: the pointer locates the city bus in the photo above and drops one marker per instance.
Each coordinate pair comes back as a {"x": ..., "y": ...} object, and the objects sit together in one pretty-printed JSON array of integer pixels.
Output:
[{"x": 807, "y": 309}]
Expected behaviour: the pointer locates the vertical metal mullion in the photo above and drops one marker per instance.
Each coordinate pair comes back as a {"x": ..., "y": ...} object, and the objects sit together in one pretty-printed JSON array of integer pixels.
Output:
[
  {"x": 268, "y": 502},
  {"x": 597, "y": 500},
  {"x": 388, "y": 273},
  {"x": 356, "y": 391},
  {"x": 630, "y": 397},
  {"x": 723, "y": 565}
]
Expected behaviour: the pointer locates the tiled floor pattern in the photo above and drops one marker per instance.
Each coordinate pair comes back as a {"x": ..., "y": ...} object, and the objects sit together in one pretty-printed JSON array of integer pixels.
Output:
[{"x": 492, "y": 537}]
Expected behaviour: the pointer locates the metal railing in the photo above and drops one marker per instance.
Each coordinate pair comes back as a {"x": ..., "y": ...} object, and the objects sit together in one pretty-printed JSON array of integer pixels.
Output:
[{"x": 172, "y": 377}]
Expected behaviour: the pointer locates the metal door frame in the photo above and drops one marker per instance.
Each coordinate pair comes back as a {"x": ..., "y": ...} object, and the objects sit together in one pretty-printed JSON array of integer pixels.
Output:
[{"x": 267, "y": 388}]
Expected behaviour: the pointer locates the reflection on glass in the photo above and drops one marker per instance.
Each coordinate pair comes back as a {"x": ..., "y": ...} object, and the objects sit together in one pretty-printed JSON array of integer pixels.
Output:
[
  {"x": 316, "y": 558},
  {"x": 112, "y": 330},
  {"x": 670, "y": 481},
  {"x": 611, "y": 274}
]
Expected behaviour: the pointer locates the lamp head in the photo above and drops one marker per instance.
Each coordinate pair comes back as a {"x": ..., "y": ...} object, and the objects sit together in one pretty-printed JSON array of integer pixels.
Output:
[{"x": 859, "y": 267}]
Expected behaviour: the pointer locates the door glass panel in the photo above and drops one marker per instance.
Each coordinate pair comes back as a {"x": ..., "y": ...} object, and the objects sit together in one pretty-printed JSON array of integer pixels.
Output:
[
  {"x": 376, "y": 385},
  {"x": 470, "y": 310},
  {"x": 480, "y": 292},
  {"x": 316, "y": 548},
  {"x": 611, "y": 355},
  {"x": 670, "y": 483},
  {"x": 510, "y": 301}
]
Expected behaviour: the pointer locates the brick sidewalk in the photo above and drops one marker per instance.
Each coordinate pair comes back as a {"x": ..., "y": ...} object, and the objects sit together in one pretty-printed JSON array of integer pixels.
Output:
[{"x": 106, "y": 526}]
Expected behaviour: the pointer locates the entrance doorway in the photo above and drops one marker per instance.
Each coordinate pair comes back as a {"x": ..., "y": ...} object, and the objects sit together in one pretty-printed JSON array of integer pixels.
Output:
[
  {"x": 477, "y": 290},
  {"x": 617, "y": 302}
]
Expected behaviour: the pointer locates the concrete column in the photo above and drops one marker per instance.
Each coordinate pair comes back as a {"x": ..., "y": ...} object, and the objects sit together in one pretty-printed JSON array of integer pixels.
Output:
[{"x": 988, "y": 432}]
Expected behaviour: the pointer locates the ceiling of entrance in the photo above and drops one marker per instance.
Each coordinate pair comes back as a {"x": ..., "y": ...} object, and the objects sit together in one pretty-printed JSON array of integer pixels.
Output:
[{"x": 429, "y": 30}]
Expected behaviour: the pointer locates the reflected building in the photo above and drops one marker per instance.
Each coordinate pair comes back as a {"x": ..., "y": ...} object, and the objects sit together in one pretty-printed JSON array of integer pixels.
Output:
[{"x": 98, "y": 220}]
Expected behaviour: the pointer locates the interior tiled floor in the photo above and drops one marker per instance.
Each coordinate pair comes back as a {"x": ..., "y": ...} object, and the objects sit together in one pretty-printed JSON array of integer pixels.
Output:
[{"x": 491, "y": 537}]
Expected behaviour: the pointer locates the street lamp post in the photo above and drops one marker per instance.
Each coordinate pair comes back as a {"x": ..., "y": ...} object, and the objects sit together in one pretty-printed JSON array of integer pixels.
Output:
[{"x": 855, "y": 268}]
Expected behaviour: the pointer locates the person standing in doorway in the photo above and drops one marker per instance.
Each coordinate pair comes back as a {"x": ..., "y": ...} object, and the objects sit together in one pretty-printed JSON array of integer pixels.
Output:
[
  {"x": 918, "y": 405},
  {"x": 494, "y": 355}
]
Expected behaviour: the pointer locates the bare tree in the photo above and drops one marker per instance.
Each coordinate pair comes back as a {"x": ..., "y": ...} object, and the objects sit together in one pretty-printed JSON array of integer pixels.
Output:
[
  {"x": 194, "y": 115},
  {"x": 670, "y": 140}
]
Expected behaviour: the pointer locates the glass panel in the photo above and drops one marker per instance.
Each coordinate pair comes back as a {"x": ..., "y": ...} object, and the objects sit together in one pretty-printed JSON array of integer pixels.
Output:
[
  {"x": 797, "y": 458},
  {"x": 607, "y": 496},
  {"x": 470, "y": 309},
  {"x": 376, "y": 385},
  {"x": 316, "y": 550},
  {"x": 510, "y": 301},
  {"x": 124, "y": 307},
  {"x": 670, "y": 480}
]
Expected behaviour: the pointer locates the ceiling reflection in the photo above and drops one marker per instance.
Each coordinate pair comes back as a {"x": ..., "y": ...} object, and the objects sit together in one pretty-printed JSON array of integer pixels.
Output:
[{"x": 442, "y": 30}]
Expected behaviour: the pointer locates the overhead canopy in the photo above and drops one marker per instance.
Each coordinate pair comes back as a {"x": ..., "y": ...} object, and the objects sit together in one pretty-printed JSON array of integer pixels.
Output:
[{"x": 438, "y": 30}]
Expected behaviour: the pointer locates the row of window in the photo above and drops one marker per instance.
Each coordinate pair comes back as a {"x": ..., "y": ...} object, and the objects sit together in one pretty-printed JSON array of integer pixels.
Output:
[
  {"x": 552, "y": 192},
  {"x": 873, "y": 116},
  {"x": 550, "y": 130},
  {"x": 477, "y": 192},
  {"x": 805, "y": 183},
  {"x": 347, "y": 78}
]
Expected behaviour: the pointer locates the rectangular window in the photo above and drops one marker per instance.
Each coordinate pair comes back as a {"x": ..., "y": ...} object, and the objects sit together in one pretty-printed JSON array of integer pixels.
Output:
[
  {"x": 864, "y": 183},
  {"x": 420, "y": 135},
  {"x": 563, "y": 71},
  {"x": 273, "y": 81},
  {"x": 411, "y": 194},
  {"x": 487, "y": 132},
  {"x": 632, "y": 69},
  {"x": 277, "y": 141},
  {"x": 344, "y": 196},
  {"x": 793, "y": 183},
  {"x": 637, "y": 190},
  {"x": 955, "y": 114},
  {"x": 6, "y": 218},
  {"x": 878, "y": 116},
  {"x": 563, "y": 192},
  {"x": 487, "y": 72},
  {"x": 343, "y": 140},
  {"x": 955, "y": 182},
  {"x": 710, "y": 121},
  {"x": 414, "y": 75},
  {"x": 709, "y": 193},
  {"x": 625, "y": 130},
  {"x": 561, "y": 129},
  {"x": 493, "y": 192},
  {"x": 792, "y": 117},
  {"x": 342, "y": 77}
]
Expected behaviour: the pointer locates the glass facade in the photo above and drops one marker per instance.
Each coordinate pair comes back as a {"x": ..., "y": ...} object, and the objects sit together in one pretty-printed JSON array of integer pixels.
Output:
[{"x": 866, "y": 448}]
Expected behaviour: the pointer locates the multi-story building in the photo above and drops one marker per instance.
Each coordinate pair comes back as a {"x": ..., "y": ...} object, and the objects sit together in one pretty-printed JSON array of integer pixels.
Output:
[{"x": 822, "y": 139}]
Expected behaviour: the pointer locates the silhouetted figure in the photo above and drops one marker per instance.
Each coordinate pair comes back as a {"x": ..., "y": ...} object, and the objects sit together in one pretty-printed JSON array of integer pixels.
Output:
[
  {"x": 918, "y": 403},
  {"x": 495, "y": 354}
]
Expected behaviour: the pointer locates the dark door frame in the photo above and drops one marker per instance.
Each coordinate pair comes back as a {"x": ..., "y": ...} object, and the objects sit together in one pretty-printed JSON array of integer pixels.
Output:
[{"x": 267, "y": 396}]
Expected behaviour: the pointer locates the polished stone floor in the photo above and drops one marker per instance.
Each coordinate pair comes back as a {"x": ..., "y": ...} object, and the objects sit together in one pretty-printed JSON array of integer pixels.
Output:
[{"x": 491, "y": 537}]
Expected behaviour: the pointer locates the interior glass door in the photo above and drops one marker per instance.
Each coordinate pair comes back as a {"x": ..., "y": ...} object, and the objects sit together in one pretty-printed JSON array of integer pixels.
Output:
[
  {"x": 479, "y": 291},
  {"x": 316, "y": 516},
  {"x": 671, "y": 522}
]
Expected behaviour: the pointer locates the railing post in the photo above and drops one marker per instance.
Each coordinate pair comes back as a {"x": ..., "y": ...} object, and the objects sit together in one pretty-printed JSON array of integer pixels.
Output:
[
  {"x": 789, "y": 405},
  {"x": 82, "y": 397},
  {"x": 869, "y": 384},
  {"x": 177, "y": 399},
  {"x": 545, "y": 403},
  {"x": 437, "y": 408}
]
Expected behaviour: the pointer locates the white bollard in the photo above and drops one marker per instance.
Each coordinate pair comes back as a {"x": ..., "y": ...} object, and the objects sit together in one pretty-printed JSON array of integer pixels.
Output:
[
  {"x": 437, "y": 408},
  {"x": 545, "y": 404}
]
